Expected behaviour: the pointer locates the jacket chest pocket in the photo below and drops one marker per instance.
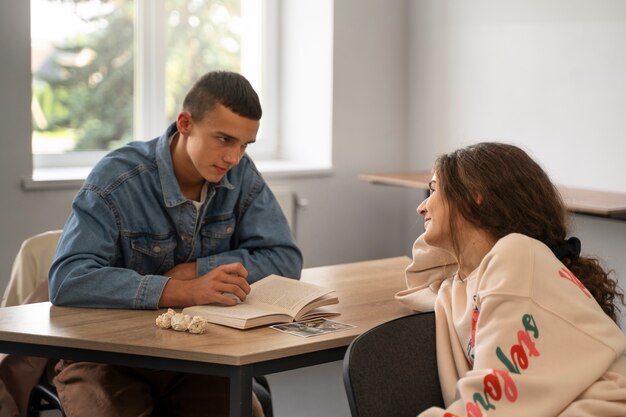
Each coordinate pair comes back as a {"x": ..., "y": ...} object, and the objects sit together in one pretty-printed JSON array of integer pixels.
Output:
[
  {"x": 216, "y": 236},
  {"x": 152, "y": 254}
]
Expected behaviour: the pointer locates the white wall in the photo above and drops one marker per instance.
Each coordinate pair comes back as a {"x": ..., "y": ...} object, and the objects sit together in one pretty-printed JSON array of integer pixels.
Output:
[
  {"x": 346, "y": 219},
  {"x": 546, "y": 75}
]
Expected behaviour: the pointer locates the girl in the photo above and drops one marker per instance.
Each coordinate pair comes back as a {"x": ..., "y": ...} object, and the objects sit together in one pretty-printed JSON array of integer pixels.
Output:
[{"x": 525, "y": 324}]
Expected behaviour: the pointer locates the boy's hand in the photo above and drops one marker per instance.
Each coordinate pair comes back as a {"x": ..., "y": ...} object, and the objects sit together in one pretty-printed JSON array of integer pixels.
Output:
[
  {"x": 216, "y": 286},
  {"x": 183, "y": 271}
]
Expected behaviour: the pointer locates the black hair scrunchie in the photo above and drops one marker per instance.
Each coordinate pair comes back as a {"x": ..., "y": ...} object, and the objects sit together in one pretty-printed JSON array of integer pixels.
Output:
[{"x": 569, "y": 248}]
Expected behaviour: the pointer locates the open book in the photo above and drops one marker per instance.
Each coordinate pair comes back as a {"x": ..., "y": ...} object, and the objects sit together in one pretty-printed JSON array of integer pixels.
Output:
[{"x": 273, "y": 299}]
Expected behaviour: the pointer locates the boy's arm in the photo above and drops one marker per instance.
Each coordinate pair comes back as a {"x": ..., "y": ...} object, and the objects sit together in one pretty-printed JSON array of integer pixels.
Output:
[
  {"x": 264, "y": 243},
  {"x": 81, "y": 274}
]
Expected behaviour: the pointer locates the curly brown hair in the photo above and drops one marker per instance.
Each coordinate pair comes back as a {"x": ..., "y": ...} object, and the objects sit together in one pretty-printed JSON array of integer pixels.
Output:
[{"x": 517, "y": 196}]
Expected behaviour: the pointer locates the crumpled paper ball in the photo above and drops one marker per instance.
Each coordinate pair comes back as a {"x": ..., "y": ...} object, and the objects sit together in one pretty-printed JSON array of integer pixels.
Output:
[
  {"x": 164, "y": 320},
  {"x": 181, "y": 322},
  {"x": 197, "y": 325}
]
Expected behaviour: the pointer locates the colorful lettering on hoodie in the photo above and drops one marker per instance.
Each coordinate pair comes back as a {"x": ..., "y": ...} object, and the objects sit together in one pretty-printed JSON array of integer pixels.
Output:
[
  {"x": 567, "y": 274},
  {"x": 472, "y": 341},
  {"x": 499, "y": 383}
]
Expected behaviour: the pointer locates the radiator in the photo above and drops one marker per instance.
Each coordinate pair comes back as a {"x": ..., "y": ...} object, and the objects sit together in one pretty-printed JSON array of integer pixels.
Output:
[{"x": 288, "y": 201}]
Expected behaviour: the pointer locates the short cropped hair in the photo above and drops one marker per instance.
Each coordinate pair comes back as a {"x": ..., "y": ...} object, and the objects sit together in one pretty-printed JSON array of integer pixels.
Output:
[{"x": 230, "y": 89}]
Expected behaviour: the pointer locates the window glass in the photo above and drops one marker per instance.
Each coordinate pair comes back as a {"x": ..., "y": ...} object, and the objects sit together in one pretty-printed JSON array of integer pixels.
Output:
[
  {"x": 201, "y": 35},
  {"x": 86, "y": 72},
  {"x": 82, "y": 66}
]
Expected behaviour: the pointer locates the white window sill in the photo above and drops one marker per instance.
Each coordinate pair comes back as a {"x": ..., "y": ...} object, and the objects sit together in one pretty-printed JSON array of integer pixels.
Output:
[{"x": 73, "y": 177}]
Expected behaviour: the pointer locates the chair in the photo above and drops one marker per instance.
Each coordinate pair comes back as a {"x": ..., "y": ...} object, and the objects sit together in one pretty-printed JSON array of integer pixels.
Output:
[
  {"x": 30, "y": 267},
  {"x": 391, "y": 370},
  {"x": 29, "y": 284},
  {"x": 43, "y": 397},
  {"x": 29, "y": 276}
]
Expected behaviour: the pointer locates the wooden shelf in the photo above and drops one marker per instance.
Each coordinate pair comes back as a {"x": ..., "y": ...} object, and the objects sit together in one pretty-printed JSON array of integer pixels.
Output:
[{"x": 577, "y": 200}]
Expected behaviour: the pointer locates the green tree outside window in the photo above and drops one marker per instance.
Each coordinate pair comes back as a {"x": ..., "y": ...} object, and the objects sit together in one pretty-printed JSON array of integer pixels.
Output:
[{"x": 83, "y": 89}]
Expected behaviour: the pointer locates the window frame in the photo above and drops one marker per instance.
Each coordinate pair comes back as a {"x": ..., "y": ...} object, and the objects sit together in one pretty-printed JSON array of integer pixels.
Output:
[{"x": 149, "y": 90}]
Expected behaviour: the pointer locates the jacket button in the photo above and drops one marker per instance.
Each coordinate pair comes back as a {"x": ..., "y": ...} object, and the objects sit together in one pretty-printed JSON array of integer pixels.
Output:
[
  {"x": 156, "y": 249},
  {"x": 229, "y": 229}
]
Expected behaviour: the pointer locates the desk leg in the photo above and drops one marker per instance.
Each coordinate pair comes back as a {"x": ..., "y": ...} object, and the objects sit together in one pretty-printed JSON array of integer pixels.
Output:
[{"x": 241, "y": 392}]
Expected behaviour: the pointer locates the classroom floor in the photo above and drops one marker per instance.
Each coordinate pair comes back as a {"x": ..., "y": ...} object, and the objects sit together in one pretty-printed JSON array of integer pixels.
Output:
[{"x": 316, "y": 391}]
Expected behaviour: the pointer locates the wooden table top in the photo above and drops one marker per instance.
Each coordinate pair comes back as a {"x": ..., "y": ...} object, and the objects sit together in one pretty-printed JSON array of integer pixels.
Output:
[
  {"x": 366, "y": 298},
  {"x": 577, "y": 200}
]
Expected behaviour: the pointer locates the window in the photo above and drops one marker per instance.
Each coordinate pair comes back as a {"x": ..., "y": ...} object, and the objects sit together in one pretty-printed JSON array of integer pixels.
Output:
[{"x": 109, "y": 71}]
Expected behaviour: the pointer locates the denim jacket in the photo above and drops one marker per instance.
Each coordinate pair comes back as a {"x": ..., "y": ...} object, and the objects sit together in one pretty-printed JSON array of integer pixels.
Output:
[{"x": 130, "y": 223}]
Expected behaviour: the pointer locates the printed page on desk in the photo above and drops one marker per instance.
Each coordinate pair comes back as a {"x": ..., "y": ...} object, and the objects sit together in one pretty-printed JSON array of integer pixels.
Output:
[{"x": 273, "y": 299}]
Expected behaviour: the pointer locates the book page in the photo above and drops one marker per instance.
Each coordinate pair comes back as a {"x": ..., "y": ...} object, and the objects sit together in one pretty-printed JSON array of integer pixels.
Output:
[
  {"x": 284, "y": 294},
  {"x": 240, "y": 316},
  {"x": 240, "y": 311},
  {"x": 273, "y": 299}
]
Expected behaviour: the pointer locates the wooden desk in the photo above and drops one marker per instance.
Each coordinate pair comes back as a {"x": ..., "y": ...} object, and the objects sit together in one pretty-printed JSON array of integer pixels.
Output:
[
  {"x": 577, "y": 200},
  {"x": 131, "y": 338}
]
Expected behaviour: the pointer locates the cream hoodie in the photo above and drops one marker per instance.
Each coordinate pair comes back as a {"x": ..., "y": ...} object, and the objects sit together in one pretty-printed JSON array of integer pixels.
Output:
[{"x": 520, "y": 336}]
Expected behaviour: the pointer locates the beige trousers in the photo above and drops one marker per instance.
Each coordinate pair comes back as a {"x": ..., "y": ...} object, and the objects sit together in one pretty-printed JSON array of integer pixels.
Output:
[{"x": 99, "y": 390}]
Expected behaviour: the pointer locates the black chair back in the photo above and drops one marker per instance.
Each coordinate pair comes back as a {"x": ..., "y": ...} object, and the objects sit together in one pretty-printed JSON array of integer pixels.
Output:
[{"x": 391, "y": 370}]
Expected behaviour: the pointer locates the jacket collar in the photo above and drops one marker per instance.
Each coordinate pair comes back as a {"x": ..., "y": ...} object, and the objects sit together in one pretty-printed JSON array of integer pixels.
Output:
[{"x": 172, "y": 195}]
